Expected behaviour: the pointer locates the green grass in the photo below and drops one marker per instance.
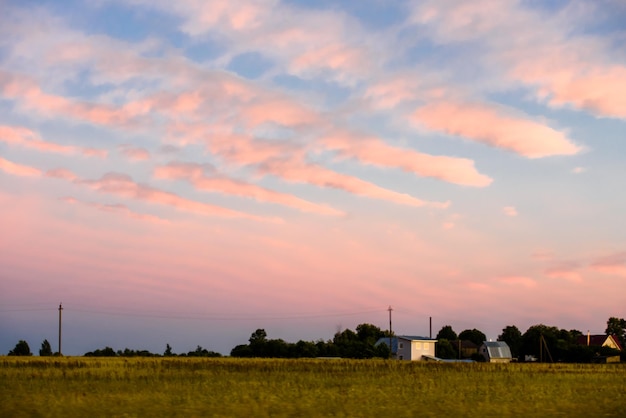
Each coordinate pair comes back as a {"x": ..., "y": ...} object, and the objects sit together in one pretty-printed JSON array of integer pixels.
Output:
[{"x": 228, "y": 387}]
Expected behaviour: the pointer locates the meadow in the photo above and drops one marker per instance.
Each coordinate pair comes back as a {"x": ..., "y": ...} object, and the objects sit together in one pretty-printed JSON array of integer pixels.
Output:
[{"x": 229, "y": 387}]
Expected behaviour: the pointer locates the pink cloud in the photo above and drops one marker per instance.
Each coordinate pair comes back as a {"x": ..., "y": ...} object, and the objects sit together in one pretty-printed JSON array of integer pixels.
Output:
[
  {"x": 281, "y": 111},
  {"x": 31, "y": 97},
  {"x": 614, "y": 264},
  {"x": 564, "y": 270},
  {"x": 62, "y": 173},
  {"x": 117, "y": 209},
  {"x": 493, "y": 127},
  {"x": 195, "y": 173},
  {"x": 541, "y": 50},
  {"x": 18, "y": 169},
  {"x": 123, "y": 185},
  {"x": 134, "y": 153},
  {"x": 574, "y": 80},
  {"x": 27, "y": 138},
  {"x": 509, "y": 211},
  {"x": 520, "y": 281},
  {"x": 300, "y": 172},
  {"x": 374, "y": 151}
]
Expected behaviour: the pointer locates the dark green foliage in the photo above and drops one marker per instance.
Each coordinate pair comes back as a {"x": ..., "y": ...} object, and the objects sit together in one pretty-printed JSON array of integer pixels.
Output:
[
  {"x": 202, "y": 352},
  {"x": 513, "y": 337},
  {"x": 45, "y": 349},
  {"x": 445, "y": 349},
  {"x": 473, "y": 335},
  {"x": 105, "y": 352},
  {"x": 617, "y": 327},
  {"x": 446, "y": 333},
  {"x": 348, "y": 344},
  {"x": 21, "y": 349},
  {"x": 168, "y": 351}
]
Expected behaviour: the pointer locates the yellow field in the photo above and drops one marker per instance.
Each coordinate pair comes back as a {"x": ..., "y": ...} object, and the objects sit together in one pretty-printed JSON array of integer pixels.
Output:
[{"x": 228, "y": 387}]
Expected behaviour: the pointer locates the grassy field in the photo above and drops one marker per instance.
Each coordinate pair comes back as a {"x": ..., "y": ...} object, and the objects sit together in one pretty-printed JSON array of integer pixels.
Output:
[{"x": 228, "y": 387}]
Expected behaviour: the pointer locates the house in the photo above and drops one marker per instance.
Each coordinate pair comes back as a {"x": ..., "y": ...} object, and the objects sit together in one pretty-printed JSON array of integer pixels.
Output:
[
  {"x": 599, "y": 341},
  {"x": 496, "y": 352},
  {"x": 407, "y": 347}
]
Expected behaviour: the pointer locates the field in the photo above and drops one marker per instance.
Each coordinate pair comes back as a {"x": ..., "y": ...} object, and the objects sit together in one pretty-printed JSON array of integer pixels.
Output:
[{"x": 228, "y": 387}]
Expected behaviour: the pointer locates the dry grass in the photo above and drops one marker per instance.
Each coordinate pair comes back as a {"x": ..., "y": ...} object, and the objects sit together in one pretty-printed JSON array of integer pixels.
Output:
[{"x": 228, "y": 387}]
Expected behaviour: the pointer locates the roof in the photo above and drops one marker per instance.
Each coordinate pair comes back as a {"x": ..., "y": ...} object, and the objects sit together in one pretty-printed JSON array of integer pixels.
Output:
[
  {"x": 597, "y": 340},
  {"x": 416, "y": 338},
  {"x": 394, "y": 341},
  {"x": 498, "y": 349}
]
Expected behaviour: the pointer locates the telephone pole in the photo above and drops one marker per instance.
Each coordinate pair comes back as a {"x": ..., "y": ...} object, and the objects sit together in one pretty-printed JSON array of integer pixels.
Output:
[
  {"x": 390, "y": 334},
  {"x": 60, "y": 309}
]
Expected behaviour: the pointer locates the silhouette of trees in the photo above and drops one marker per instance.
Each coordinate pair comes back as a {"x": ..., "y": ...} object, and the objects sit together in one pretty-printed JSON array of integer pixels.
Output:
[
  {"x": 21, "y": 349},
  {"x": 45, "y": 349},
  {"x": 473, "y": 335},
  {"x": 513, "y": 337},
  {"x": 446, "y": 333}
]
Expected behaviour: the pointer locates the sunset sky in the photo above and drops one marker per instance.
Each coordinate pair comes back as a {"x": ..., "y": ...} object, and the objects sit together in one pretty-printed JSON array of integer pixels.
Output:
[{"x": 188, "y": 171}]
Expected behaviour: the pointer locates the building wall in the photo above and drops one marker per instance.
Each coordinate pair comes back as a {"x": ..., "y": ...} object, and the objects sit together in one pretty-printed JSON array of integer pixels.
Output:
[{"x": 414, "y": 350}]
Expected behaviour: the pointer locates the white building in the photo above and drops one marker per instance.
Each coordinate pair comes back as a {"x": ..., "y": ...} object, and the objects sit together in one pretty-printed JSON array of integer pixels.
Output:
[{"x": 407, "y": 347}]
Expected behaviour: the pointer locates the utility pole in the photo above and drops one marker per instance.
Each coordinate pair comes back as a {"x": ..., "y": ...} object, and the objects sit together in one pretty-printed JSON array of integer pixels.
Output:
[
  {"x": 390, "y": 334},
  {"x": 60, "y": 309}
]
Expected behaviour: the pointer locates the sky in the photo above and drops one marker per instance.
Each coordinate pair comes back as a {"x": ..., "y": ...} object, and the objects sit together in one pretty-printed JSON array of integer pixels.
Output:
[{"x": 185, "y": 172}]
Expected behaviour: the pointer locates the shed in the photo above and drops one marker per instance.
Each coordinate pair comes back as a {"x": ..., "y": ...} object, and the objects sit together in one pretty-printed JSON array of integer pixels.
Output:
[{"x": 496, "y": 352}]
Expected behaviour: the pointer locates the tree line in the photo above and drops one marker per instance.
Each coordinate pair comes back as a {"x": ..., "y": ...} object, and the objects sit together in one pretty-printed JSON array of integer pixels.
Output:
[{"x": 561, "y": 344}]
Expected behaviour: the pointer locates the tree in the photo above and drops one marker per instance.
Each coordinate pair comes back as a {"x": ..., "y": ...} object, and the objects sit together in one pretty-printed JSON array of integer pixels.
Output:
[
  {"x": 513, "y": 337},
  {"x": 258, "y": 336},
  {"x": 446, "y": 333},
  {"x": 45, "y": 349},
  {"x": 168, "y": 351},
  {"x": 21, "y": 349},
  {"x": 474, "y": 335},
  {"x": 445, "y": 349},
  {"x": 531, "y": 341},
  {"x": 617, "y": 327},
  {"x": 369, "y": 333}
]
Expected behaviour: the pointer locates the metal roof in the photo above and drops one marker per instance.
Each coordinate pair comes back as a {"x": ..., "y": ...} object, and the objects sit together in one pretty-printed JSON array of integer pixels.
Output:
[{"x": 498, "y": 349}]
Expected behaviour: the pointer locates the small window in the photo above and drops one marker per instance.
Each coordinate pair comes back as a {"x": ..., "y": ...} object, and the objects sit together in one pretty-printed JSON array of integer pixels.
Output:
[{"x": 401, "y": 345}]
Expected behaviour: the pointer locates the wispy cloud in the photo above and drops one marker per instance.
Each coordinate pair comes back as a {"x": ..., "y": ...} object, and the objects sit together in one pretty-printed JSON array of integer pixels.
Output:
[
  {"x": 197, "y": 175},
  {"x": 494, "y": 127},
  {"x": 24, "y": 137},
  {"x": 16, "y": 169}
]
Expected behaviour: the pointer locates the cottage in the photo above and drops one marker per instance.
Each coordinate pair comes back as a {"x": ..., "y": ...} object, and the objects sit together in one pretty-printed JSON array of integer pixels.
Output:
[
  {"x": 599, "y": 341},
  {"x": 496, "y": 352},
  {"x": 406, "y": 347}
]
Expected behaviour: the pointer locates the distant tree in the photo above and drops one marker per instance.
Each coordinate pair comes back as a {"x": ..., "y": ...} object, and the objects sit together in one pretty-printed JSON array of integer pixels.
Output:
[
  {"x": 513, "y": 337},
  {"x": 258, "y": 336},
  {"x": 305, "y": 349},
  {"x": 105, "y": 352},
  {"x": 617, "y": 327},
  {"x": 242, "y": 350},
  {"x": 203, "y": 352},
  {"x": 473, "y": 335},
  {"x": 531, "y": 341},
  {"x": 45, "y": 349},
  {"x": 446, "y": 333},
  {"x": 21, "y": 349},
  {"x": 369, "y": 333},
  {"x": 445, "y": 349},
  {"x": 168, "y": 351}
]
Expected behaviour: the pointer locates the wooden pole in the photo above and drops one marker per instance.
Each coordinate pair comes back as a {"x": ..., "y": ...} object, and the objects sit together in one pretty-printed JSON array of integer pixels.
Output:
[{"x": 60, "y": 310}]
